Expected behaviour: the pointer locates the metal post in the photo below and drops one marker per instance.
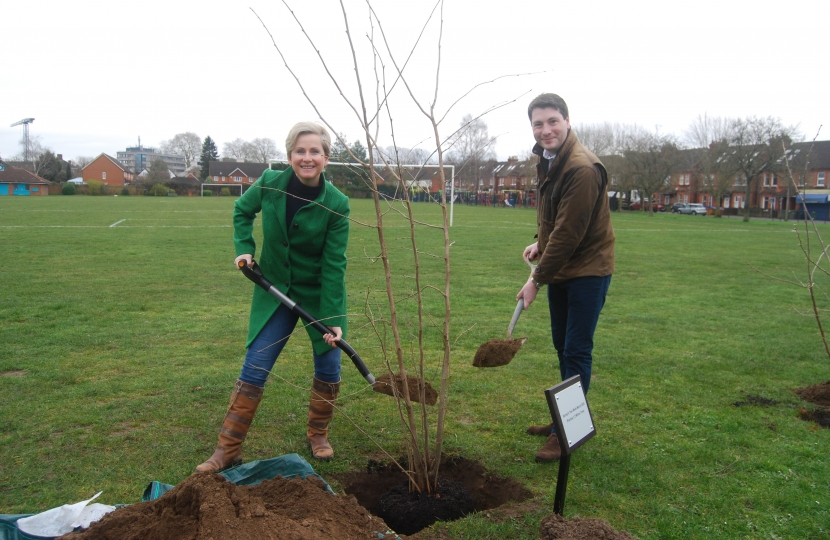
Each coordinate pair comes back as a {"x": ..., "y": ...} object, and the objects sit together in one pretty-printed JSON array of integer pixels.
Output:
[
  {"x": 452, "y": 192},
  {"x": 561, "y": 484}
]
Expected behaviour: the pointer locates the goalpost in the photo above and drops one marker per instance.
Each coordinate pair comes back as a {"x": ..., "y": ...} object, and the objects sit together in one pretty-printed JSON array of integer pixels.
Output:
[{"x": 202, "y": 189}]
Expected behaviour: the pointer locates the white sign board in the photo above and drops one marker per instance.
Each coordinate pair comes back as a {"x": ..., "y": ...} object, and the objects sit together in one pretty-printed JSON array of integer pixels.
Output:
[{"x": 571, "y": 414}]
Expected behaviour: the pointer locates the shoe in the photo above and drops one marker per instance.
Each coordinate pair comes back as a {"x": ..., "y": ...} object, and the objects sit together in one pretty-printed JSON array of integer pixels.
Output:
[
  {"x": 543, "y": 431},
  {"x": 320, "y": 411},
  {"x": 550, "y": 451},
  {"x": 242, "y": 408}
]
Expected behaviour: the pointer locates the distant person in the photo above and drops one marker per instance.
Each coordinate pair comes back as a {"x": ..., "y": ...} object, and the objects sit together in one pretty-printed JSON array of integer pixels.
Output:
[
  {"x": 575, "y": 246},
  {"x": 305, "y": 229}
]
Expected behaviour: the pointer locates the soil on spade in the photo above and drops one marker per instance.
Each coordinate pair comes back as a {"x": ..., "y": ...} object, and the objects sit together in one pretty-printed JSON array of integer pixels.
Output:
[{"x": 497, "y": 352}]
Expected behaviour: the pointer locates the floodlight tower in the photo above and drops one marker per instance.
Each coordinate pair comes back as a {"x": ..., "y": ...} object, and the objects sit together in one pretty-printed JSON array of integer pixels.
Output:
[{"x": 25, "y": 122}]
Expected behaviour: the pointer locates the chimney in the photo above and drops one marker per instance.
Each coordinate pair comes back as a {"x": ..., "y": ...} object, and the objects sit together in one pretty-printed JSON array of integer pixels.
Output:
[
  {"x": 513, "y": 158},
  {"x": 60, "y": 157}
]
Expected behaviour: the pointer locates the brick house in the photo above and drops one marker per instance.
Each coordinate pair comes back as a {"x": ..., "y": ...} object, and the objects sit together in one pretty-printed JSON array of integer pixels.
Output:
[
  {"x": 18, "y": 181},
  {"x": 235, "y": 172},
  {"x": 771, "y": 192},
  {"x": 108, "y": 170}
]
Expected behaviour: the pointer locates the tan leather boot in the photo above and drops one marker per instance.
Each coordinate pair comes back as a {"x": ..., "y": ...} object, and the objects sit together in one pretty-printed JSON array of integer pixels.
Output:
[
  {"x": 320, "y": 411},
  {"x": 543, "y": 431},
  {"x": 550, "y": 451},
  {"x": 241, "y": 410}
]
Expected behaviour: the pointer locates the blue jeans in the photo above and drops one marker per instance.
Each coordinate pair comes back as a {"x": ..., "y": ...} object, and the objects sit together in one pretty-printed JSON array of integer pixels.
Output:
[
  {"x": 574, "y": 310},
  {"x": 264, "y": 350}
]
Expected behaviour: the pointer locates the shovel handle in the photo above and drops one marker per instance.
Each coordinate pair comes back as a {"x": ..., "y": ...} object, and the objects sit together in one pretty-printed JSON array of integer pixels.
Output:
[
  {"x": 255, "y": 274},
  {"x": 520, "y": 306}
]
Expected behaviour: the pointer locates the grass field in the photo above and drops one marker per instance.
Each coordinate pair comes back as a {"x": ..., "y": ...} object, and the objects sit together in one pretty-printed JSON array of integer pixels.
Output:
[{"x": 123, "y": 321}]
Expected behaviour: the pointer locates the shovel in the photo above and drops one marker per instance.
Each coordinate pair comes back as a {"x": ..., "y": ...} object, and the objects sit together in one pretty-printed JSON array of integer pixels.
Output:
[
  {"x": 383, "y": 385},
  {"x": 499, "y": 352}
]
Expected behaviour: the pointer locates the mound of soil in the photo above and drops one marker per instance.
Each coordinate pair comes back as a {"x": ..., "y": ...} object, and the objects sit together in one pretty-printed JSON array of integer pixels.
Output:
[
  {"x": 556, "y": 527},
  {"x": 486, "y": 491},
  {"x": 384, "y": 385},
  {"x": 820, "y": 395},
  {"x": 207, "y": 507},
  {"x": 497, "y": 352},
  {"x": 817, "y": 393}
]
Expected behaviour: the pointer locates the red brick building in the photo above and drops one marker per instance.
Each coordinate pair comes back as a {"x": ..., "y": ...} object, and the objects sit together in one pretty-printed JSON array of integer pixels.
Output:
[{"x": 108, "y": 170}]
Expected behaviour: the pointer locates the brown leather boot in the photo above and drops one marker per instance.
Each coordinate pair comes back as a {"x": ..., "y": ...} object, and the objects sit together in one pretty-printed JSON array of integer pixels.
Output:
[
  {"x": 543, "y": 431},
  {"x": 320, "y": 411},
  {"x": 550, "y": 451},
  {"x": 241, "y": 410}
]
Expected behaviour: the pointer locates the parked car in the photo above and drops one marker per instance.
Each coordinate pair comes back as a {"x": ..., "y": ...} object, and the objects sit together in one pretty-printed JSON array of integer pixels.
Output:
[
  {"x": 693, "y": 209},
  {"x": 639, "y": 205},
  {"x": 675, "y": 208}
]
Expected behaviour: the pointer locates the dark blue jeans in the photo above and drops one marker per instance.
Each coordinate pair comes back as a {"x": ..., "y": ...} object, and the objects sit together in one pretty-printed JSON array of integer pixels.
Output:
[
  {"x": 268, "y": 345},
  {"x": 574, "y": 310}
]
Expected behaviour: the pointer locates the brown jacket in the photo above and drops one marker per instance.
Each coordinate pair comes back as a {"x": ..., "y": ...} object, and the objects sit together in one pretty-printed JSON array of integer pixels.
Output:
[{"x": 575, "y": 235}]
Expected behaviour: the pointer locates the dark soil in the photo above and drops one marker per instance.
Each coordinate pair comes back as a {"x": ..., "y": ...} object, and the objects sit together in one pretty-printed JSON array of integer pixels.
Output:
[
  {"x": 408, "y": 513},
  {"x": 497, "y": 352},
  {"x": 556, "y": 527},
  {"x": 383, "y": 384},
  {"x": 818, "y": 394},
  {"x": 486, "y": 491},
  {"x": 756, "y": 400},
  {"x": 207, "y": 507}
]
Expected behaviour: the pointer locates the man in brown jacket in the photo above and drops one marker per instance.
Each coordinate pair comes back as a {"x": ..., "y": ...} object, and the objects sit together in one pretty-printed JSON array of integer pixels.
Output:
[{"x": 575, "y": 246}]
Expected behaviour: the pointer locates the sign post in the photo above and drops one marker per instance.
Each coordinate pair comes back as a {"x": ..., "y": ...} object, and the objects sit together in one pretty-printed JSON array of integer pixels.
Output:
[{"x": 574, "y": 425}]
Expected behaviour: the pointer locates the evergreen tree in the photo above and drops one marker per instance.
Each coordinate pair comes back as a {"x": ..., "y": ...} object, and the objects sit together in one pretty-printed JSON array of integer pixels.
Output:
[
  {"x": 209, "y": 153},
  {"x": 68, "y": 171}
]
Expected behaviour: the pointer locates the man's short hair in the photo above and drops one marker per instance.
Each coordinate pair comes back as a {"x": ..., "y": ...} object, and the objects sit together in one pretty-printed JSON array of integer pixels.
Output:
[
  {"x": 302, "y": 128},
  {"x": 544, "y": 101}
]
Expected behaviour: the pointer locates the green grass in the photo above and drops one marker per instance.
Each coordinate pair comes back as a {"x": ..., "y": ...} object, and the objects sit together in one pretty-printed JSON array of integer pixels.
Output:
[{"x": 120, "y": 346}]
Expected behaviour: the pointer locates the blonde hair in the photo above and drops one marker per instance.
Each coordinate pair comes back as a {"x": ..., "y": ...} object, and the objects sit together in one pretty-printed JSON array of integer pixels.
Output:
[{"x": 301, "y": 128}]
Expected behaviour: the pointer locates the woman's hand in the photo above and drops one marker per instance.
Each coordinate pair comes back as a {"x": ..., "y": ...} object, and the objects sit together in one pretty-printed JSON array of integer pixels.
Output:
[
  {"x": 333, "y": 339},
  {"x": 248, "y": 258}
]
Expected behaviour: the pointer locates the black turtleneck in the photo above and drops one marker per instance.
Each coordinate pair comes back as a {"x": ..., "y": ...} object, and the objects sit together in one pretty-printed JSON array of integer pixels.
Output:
[{"x": 299, "y": 195}]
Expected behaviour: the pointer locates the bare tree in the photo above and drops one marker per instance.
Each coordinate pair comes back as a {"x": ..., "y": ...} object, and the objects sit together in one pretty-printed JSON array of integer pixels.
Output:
[
  {"x": 705, "y": 130},
  {"x": 471, "y": 146},
  {"x": 187, "y": 144},
  {"x": 410, "y": 156},
  {"x": 757, "y": 146},
  {"x": 35, "y": 149},
  {"x": 599, "y": 138},
  {"x": 649, "y": 160},
  {"x": 263, "y": 150},
  {"x": 235, "y": 149},
  {"x": 424, "y": 452}
]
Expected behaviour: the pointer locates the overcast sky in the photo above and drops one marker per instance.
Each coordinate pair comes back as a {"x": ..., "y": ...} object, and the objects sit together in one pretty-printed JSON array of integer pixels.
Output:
[{"x": 98, "y": 75}]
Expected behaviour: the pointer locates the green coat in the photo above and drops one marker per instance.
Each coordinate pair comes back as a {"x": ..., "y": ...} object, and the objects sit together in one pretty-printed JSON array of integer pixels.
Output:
[{"x": 306, "y": 262}]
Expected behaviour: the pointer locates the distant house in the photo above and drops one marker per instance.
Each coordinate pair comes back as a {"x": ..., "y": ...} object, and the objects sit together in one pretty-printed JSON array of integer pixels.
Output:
[
  {"x": 17, "y": 181},
  {"x": 108, "y": 170},
  {"x": 234, "y": 172}
]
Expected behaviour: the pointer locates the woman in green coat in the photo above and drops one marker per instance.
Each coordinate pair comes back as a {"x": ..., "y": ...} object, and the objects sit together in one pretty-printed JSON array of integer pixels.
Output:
[{"x": 305, "y": 229}]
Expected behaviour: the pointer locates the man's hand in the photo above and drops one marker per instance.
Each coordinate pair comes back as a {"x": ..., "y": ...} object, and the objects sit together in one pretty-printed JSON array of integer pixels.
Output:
[
  {"x": 333, "y": 339},
  {"x": 531, "y": 252},
  {"x": 528, "y": 292}
]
